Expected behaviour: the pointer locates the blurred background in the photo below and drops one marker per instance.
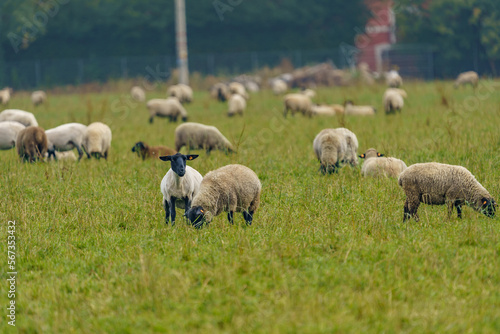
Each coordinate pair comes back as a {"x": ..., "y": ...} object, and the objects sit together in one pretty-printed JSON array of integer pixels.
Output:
[{"x": 46, "y": 43}]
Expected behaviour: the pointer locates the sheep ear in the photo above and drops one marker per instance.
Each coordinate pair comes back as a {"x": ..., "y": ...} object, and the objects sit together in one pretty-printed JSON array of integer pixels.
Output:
[
  {"x": 166, "y": 158},
  {"x": 380, "y": 154},
  {"x": 192, "y": 156},
  {"x": 362, "y": 156}
]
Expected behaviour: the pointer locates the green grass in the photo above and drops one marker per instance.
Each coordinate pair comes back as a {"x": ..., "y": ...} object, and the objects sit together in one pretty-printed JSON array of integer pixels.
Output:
[{"x": 325, "y": 253}]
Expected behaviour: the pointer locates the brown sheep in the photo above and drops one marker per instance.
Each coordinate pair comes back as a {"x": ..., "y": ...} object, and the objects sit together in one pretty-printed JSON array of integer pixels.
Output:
[
  {"x": 144, "y": 151},
  {"x": 32, "y": 144}
]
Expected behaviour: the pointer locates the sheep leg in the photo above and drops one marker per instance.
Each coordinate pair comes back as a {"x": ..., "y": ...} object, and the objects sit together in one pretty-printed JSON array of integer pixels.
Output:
[
  {"x": 172, "y": 209},
  {"x": 80, "y": 152},
  {"x": 187, "y": 205},
  {"x": 230, "y": 217},
  {"x": 285, "y": 111},
  {"x": 167, "y": 210},
  {"x": 151, "y": 119},
  {"x": 459, "y": 209},
  {"x": 248, "y": 216}
]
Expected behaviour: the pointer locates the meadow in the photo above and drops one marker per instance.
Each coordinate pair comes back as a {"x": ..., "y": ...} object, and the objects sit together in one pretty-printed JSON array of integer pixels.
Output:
[{"x": 324, "y": 254}]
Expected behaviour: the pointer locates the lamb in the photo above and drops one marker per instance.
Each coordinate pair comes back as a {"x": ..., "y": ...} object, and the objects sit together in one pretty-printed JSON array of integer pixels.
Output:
[
  {"x": 144, "y": 151},
  {"x": 179, "y": 185},
  {"x": 465, "y": 78},
  {"x": 279, "y": 86},
  {"x": 330, "y": 147},
  {"x": 236, "y": 105},
  {"x": 393, "y": 100},
  {"x": 5, "y": 95},
  {"x": 393, "y": 79},
  {"x": 378, "y": 166},
  {"x": 351, "y": 153},
  {"x": 138, "y": 94},
  {"x": 437, "y": 184},
  {"x": 65, "y": 138},
  {"x": 31, "y": 144},
  {"x": 297, "y": 103},
  {"x": 97, "y": 140},
  {"x": 8, "y": 134},
  {"x": 327, "y": 110},
  {"x": 237, "y": 88},
  {"x": 38, "y": 97},
  {"x": 351, "y": 109},
  {"x": 200, "y": 136},
  {"x": 220, "y": 91},
  {"x": 21, "y": 116},
  {"x": 232, "y": 188},
  {"x": 170, "y": 108},
  {"x": 182, "y": 92}
]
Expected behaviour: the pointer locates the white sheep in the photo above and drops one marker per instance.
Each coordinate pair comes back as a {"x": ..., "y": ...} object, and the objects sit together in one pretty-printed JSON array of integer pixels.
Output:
[
  {"x": 252, "y": 86},
  {"x": 24, "y": 117},
  {"x": 97, "y": 140},
  {"x": 8, "y": 134},
  {"x": 65, "y": 138},
  {"x": 170, "y": 107},
  {"x": 330, "y": 147},
  {"x": 327, "y": 110},
  {"x": 182, "y": 92},
  {"x": 279, "y": 86},
  {"x": 38, "y": 97},
  {"x": 354, "y": 110},
  {"x": 465, "y": 78},
  {"x": 437, "y": 184},
  {"x": 309, "y": 93},
  {"x": 179, "y": 185},
  {"x": 238, "y": 88},
  {"x": 220, "y": 91},
  {"x": 138, "y": 94},
  {"x": 232, "y": 188},
  {"x": 394, "y": 100},
  {"x": 351, "y": 153},
  {"x": 5, "y": 95},
  {"x": 200, "y": 136},
  {"x": 236, "y": 105},
  {"x": 377, "y": 165},
  {"x": 393, "y": 79},
  {"x": 297, "y": 103}
]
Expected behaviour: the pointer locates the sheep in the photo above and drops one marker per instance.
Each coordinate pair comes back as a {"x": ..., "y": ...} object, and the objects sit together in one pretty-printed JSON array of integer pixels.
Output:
[
  {"x": 31, "y": 144},
  {"x": 465, "y": 78},
  {"x": 351, "y": 109},
  {"x": 351, "y": 153},
  {"x": 252, "y": 86},
  {"x": 21, "y": 116},
  {"x": 38, "y": 97},
  {"x": 5, "y": 95},
  {"x": 309, "y": 93},
  {"x": 144, "y": 151},
  {"x": 297, "y": 103},
  {"x": 237, "y": 88},
  {"x": 437, "y": 184},
  {"x": 200, "y": 136},
  {"x": 232, "y": 188},
  {"x": 182, "y": 92},
  {"x": 65, "y": 138},
  {"x": 330, "y": 147},
  {"x": 63, "y": 156},
  {"x": 220, "y": 91},
  {"x": 138, "y": 94},
  {"x": 236, "y": 105},
  {"x": 394, "y": 100},
  {"x": 97, "y": 140},
  {"x": 327, "y": 110},
  {"x": 8, "y": 134},
  {"x": 393, "y": 79},
  {"x": 376, "y": 165},
  {"x": 170, "y": 107},
  {"x": 179, "y": 185},
  {"x": 365, "y": 75},
  {"x": 279, "y": 86}
]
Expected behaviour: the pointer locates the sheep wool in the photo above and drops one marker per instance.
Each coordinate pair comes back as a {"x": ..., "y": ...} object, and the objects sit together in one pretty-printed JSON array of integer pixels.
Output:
[
  {"x": 31, "y": 144},
  {"x": 297, "y": 103},
  {"x": 376, "y": 165},
  {"x": 8, "y": 134},
  {"x": 200, "y": 136},
  {"x": 236, "y": 105},
  {"x": 394, "y": 100},
  {"x": 138, "y": 94},
  {"x": 279, "y": 86},
  {"x": 354, "y": 110},
  {"x": 220, "y": 91},
  {"x": 393, "y": 79},
  {"x": 65, "y": 138},
  {"x": 182, "y": 92},
  {"x": 437, "y": 184},
  {"x": 38, "y": 97},
  {"x": 351, "y": 153},
  {"x": 170, "y": 107},
  {"x": 309, "y": 93},
  {"x": 465, "y": 78},
  {"x": 24, "y": 117},
  {"x": 330, "y": 147},
  {"x": 5, "y": 95},
  {"x": 97, "y": 140},
  {"x": 327, "y": 110},
  {"x": 238, "y": 88}
]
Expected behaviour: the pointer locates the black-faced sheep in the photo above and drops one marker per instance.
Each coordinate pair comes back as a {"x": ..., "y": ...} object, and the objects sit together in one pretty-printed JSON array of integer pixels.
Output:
[
  {"x": 97, "y": 140},
  {"x": 220, "y": 91},
  {"x": 170, "y": 108},
  {"x": 465, "y": 78},
  {"x": 31, "y": 144},
  {"x": 145, "y": 151},
  {"x": 200, "y": 136},
  {"x": 8, "y": 134},
  {"x": 21, "y": 116},
  {"x": 232, "y": 188},
  {"x": 438, "y": 184},
  {"x": 179, "y": 185},
  {"x": 65, "y": 138},
  {"x": 377, "y": 165}
]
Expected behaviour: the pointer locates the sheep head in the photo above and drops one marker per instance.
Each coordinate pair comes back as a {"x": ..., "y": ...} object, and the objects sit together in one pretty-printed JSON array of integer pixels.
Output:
[
  {"x": 488, "y": 207},
  {"x": 178, "y": 162}
]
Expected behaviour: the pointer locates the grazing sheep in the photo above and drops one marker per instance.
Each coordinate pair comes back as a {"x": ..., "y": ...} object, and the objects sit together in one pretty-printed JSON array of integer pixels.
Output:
[
  {"x": 237, "y": 88},
  {"x": 297, "y": 103},
  {"x": 138, "y": 94},
  {"x": 351, "y": 109},
  {"x": 232, "y": 188},
  {"x": 21, "y": 116},
  {"x": 351, "y": 153},
  {"x": 394, "y": 100},
  {"x": 8, "y": 134},
  {"x": 465, "y": 78},
  {"x": 65, "y": 138},
  {"x": 437, "y": 184},
  {"x": 182, "y": 92},
  {"x": 279, "y": 86},
  {"x": 327, "y": 110},
  {"x": 179, "y": 185},
  {"x": 97, "y": 140},
  {"x": 236, "y": 105},
  {"x": 144, "y": 151},
  {"x": 376, "y": 165},
  {"x": 309, "y": 93},
  {"x": 393, "y": 79},
  {"x": 38, "y": 97},
  {"x": 200, "y": 136},
  {"x": 31, "y": 144},
  {"x": 5, "y": 95},
  {"x": 220, "y": 91},
  {"x": 252, "y": 86},
  {"x": 170, "y": 108},
  {"x": 330, "y": 147}
]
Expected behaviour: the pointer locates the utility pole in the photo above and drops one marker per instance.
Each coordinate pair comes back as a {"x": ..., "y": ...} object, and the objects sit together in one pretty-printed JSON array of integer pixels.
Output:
[{"x": 181, "y": 41}]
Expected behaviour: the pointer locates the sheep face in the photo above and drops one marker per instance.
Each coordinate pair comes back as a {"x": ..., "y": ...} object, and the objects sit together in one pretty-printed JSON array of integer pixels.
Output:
[
  {"x": 178, "y": 162},
  {"x": 196, "y": 216},
  {"x": 488, "y": 207},
  {"x": 139, "y": 146}
]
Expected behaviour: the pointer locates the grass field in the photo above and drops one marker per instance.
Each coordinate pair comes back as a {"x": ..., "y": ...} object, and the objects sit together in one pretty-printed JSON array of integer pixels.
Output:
[{"x": 325, "y": 253}]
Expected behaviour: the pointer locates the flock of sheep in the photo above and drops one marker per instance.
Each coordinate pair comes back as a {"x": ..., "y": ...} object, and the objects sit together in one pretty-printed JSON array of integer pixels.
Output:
[{"x": 236, "y": 188}]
